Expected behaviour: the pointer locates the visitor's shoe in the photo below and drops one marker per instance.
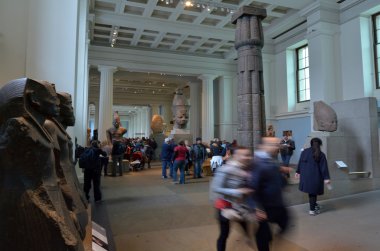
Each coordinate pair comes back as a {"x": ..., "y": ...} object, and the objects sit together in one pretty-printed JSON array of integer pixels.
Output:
[
  {"x": 164, "y": 177},
  {"x": 318, "y": 207},
  {"x": 313, "y": 213},
  {"x": 199, "y": 177},
  {"x": 175, "y": 182},
  {"x": 99, "y": 201}
]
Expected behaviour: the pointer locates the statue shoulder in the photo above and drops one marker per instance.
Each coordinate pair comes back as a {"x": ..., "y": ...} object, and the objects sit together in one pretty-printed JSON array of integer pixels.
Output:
[{"x": 50, "y": 126}]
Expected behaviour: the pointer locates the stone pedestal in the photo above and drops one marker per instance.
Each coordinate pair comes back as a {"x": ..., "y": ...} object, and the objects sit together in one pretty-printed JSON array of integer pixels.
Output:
[
  {"x": 179, "y": 134},
  {"x": 159, "y": 138}
]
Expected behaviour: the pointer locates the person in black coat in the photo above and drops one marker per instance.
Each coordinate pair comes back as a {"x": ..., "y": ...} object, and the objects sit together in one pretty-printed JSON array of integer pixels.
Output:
[
  {"x": 267, "y": 183},
  {"x": 313, "y": 173},
  {"x": 93, "y": 173}
]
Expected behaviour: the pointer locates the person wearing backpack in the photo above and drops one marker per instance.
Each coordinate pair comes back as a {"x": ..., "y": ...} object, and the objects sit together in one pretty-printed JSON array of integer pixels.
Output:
[
  {"x": 199, "y": 155},
  {"x": 90, "y": 162}
]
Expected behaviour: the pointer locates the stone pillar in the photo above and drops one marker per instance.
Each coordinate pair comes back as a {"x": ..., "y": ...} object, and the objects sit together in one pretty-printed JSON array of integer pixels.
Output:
[
  {"x": 138, "y": 122},
  {"x": 148, "y": 121},
  {"x": 194, "y": 110},
  {"x": 249, "y": 41},
  {"x": 225, "y": 105},
  {"x": 155, "y": 109},
  {"x": 207, "y": 106},
  {"x": 96, "y": 115},
  {"x": 105, "y": 100}
]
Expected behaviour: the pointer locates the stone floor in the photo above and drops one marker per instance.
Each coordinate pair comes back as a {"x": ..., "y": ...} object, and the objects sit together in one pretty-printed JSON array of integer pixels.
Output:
[{"x": 143, "y": 212}]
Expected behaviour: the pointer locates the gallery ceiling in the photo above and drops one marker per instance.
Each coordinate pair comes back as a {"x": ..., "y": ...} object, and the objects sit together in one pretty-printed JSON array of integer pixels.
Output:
[{"x": 200, "y": 27}]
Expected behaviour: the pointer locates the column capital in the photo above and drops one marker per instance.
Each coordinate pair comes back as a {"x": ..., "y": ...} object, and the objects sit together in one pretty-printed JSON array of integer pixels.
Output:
[
  {"x": 207, "y": 77},
  {"x": 107, "y": 68},
  {"x": 248, "y": 10},
  {"x": 228, "y": 77}
]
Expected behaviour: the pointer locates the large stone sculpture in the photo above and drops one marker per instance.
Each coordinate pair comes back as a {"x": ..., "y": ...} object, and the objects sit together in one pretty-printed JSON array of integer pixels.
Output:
[
  {"x": 115, "y": 137},
  {"x": 157, "y": 124},
  {"x": 325, "y": 118},
  {"x": 116, "y": 132},
  {"x": 65, "y": 169},
  {"x": 249, "y": 41},
  {"x": 180, "y": 109},
  {"x": 34, "y": 213}
]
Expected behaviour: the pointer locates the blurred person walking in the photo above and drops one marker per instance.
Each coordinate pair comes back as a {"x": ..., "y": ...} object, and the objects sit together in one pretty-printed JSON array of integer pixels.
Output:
[
  {"x": 230, "y": 186},
  {"x": 267, "y": 183},
  {"x": 313, "y": 172}
]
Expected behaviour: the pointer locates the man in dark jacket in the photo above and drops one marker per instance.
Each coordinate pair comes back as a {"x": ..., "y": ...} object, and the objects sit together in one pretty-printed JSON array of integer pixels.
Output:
[
  {"x": 198, "y": 155},
  {"x": 287, "y": 147},
  {"x": 93, "y": 172},
  {"x": 166, "y": 157},
  {"x": 267, "y": 183}
]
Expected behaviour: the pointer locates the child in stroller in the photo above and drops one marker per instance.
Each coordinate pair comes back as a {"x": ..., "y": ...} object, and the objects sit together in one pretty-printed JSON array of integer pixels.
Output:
[{"x": 137, "y": 161}]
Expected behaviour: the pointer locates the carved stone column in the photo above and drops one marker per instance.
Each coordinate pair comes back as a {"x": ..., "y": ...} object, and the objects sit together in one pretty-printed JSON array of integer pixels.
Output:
[
  {"x": 249, "y": 41},
  {"x": 105, "y": 100},
  {"x": 207, "y": 106}
]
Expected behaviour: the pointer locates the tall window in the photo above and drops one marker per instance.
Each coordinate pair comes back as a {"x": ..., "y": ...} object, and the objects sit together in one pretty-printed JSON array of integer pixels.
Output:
[
  {"x": 376, "y": 45},
  {"x": 303, "y": 80}
]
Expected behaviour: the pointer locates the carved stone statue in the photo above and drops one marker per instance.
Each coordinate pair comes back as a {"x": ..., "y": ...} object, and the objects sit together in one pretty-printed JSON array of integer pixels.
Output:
[
  {"x": 33, "y": 210},
  {"x": 180, "y": 109},
  {"x": 270, "y": 131},
  {"x": 115, "y": 137},
  {"x": 157, "y": 124},
  {"x": 116, "y": 132},
  {"x": 65, "y": 169},
  {"x": 325, "y": 118}
]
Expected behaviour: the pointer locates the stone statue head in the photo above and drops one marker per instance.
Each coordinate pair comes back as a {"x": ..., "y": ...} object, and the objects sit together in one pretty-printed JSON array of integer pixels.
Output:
[
  {"x": 157, "y": 124},
  {"x": 66, "y": 115},
  {"x": 116, "y": 120},
  {"x": 180, "y": 109},
  {"x": 27, "y": 97},
  {"x": 325, "y": 118},
  {"x": 181, "y": 117}
]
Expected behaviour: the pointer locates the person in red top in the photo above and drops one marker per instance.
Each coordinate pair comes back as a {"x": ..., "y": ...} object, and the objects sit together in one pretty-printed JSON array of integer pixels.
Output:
[{"x": 180, "y": 155}]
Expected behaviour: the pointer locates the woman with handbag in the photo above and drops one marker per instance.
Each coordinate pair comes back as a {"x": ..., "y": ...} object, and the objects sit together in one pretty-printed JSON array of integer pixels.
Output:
[
  {"x": 313, "y": 172},
  {"x": 230, "y": 186}
]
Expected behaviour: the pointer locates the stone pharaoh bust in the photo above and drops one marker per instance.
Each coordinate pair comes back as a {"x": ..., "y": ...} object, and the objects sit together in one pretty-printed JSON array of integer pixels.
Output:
[
  {"x": 180, "y": 109},
  {"x": 325, "y": 118}
]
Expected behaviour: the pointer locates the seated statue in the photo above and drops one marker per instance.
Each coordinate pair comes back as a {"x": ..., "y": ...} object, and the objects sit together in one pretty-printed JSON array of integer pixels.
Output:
[
  {"x": 34, "y": 213},
  {"x": 68, "y": 180},
  {"x": 325, "y": 118}
]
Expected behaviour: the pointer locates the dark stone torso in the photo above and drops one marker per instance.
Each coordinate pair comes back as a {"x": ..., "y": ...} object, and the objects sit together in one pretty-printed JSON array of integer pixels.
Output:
[
  {"x": 34, "y": 214},
  {"x": 65, "y": 172}
]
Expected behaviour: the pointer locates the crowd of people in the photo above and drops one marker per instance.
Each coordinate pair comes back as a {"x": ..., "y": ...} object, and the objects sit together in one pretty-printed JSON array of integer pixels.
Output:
[
  {"x": 184, "y": 156},
  {"x": 246, "y": 187}
]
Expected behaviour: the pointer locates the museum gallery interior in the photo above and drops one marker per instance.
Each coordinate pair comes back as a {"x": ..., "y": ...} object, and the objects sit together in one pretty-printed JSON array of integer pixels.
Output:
[{"x": 183, "y": 70}]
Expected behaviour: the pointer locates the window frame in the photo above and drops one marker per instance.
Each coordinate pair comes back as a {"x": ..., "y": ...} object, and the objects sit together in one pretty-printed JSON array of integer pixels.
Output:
[
  {"x": 297, "y": 73},
  {"x": 376, "y": 54}
]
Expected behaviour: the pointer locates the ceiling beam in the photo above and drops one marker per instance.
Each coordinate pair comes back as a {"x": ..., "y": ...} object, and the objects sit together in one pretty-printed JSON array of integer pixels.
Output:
[{"x": 163, "y": 25}]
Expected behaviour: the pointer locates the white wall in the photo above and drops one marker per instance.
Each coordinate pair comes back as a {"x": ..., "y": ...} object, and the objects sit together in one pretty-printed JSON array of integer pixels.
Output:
[{"x": 13, "y": 36}]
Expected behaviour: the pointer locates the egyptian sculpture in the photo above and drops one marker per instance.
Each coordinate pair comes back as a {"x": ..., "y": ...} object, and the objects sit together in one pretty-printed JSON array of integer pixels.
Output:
[
  {"x": 116, "y": 132},
  {"x": 64, "y": 165},
  {"x": 325, "y": 118},
  {"x": 33, "y": 210},
  {"x": 157, "y": 124},
  {"x": 180, "y": 109}
]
